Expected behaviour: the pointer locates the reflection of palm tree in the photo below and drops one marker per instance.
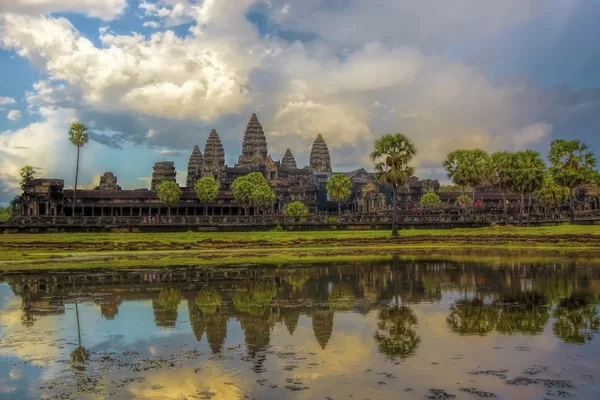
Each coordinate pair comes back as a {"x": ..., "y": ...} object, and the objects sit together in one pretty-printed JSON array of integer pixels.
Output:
[
  {"x": 529, "y": 314},
  {"x": 165, "y": 307},
  {"x": 396, "y": 336},
  {"x": 576, "y": 320},
  {"x": 80, "y": 355},
  {"x": 472, "y": 317}
]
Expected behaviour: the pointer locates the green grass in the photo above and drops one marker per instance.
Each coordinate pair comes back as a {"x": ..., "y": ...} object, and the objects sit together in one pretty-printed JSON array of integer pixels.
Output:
[
  {"x": 122, "y": 250},
  {"x": 186, "y": 237}
]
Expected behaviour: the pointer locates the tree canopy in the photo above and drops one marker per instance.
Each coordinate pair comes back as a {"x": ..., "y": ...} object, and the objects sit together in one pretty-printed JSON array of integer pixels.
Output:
[
  {"x": 295, "y": 209},
  {"x": 339, "y": 188},
  {"x": 551, "y": 195},
  {"x": 78, "y": 134},
  {"x": 430, "y": 200},
  {"x": 27, "y": 174},
  {"x": 206, "y": 189},
  {"x": 169, "y": 193},
  {"x": 252, "y": 190},
  {"x": 392, "y": 153}
]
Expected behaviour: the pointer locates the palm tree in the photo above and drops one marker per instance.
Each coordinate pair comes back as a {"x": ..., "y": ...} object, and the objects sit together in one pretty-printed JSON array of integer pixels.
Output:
[
  {"x": 527, "y": 175},
  {"x": 391, "y": 154},
  {"x": 572, "y": 164},
  {"x": 500, "y": 169},
  {"x": 79, "y": 137}
]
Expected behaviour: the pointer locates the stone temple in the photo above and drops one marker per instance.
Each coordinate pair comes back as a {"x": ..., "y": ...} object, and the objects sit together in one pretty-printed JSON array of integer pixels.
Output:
[{"x": 47, "y": 197}]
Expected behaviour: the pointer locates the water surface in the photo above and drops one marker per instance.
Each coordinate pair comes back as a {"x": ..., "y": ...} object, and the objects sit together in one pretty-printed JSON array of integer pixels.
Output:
[{"x": 422, "y": 329}]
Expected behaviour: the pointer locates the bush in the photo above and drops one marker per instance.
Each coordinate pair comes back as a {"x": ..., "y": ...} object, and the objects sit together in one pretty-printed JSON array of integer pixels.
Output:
[
  {"x": 430, "y": 200},
  {"x": 332, "y": 220},
  {"x": 295, "y": 209}
]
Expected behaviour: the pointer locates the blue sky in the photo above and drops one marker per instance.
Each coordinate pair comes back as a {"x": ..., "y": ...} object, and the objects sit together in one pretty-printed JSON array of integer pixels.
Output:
[{"x": 152, "y": 78}]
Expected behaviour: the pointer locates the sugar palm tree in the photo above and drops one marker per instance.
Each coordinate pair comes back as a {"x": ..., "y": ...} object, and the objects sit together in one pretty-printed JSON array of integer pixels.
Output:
[
  {"x": 391, "y": 154},
  {"x": 572, "y": 164},
  {"x": 79, "y": 137}
]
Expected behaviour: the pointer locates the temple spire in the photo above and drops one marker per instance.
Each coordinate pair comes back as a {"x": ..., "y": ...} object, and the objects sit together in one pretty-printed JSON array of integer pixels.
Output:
[
  {"x": 254, "y": 144},
  {"x": 214, "y": 156},
  {"x": 194, "y": 167},
  {"x": 288, "y": 161},
  {"x": 320, "y": 160}
]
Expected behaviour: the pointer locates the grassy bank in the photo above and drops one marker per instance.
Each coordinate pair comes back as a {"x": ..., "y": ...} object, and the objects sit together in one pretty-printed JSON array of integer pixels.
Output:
[{"x": 22, "y": 252}]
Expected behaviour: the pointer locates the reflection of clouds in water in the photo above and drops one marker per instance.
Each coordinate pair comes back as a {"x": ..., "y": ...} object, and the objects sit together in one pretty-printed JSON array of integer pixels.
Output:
[
  {"x": 178, "y": 384},
  {"x": 15, "y": 374}
]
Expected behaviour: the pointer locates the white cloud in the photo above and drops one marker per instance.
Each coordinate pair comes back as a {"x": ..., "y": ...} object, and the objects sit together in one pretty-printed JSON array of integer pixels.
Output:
[
  {"x": 14, "y": 115},
  {"x": 151, "y": 24},
  {"x": 103, "y": 9},
  {"x": 4, "y": 101},
  {"x": 350, "y": 92},
  {"x": 164, "y": 75}
]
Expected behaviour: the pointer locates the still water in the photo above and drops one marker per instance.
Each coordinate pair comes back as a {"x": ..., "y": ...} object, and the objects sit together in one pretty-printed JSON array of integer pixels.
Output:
[{"x": 419, "y": 329}]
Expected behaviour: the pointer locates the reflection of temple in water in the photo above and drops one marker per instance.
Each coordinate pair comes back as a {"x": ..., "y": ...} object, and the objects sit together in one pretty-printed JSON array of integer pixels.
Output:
[{"x": 519, "y": 298}]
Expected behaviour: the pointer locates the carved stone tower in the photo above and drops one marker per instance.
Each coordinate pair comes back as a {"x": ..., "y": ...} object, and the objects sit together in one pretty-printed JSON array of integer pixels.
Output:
[
  {"x": 214, "y": 156},
  {"x": 108, "y": 181},
  {"x": 194, "y": 167},
  {"x": 319, "y": 156},
  {"x": 254, "y": 145},
  {"x": 162, "y": 171},
  {"x": 288, "y": 161}
]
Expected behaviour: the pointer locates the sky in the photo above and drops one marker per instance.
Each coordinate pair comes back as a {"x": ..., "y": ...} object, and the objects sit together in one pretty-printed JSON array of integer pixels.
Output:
[{"x": 150, "y": 79}]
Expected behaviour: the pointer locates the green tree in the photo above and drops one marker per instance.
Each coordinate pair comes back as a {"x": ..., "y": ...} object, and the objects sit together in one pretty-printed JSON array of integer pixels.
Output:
[
  {"x": 392, "y": 154},
  {"x": 527, "y": 175},
  {"x": 457, "y": 168},
  {"x": 206, "y": 189},
  {"x": 430, "y": 200},
  {"x": 501, "y": 167},
  {"x": 169, "y": 193},
  {"x": 572, "y": 163},
  {"x": 463, "y": 200},
  {"x": 551, "y": 195},
  {"x": 262, "y": 197},
  {"x": 256, "y": 178},
  {"x": 452, "y": 189},
  {"x": 242, "y": 192},
  {"x": 295, "y": 209},
  {"x": 478, "y": 165},
  {"x": 339, "y": 188},
  {"x": 79, "y": 137},
  {"x": 27, "y": 174}
]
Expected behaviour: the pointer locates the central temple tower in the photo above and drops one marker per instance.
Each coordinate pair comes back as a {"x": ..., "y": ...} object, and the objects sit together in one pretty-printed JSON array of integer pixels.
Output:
[{"x": 254, "y": 145}]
